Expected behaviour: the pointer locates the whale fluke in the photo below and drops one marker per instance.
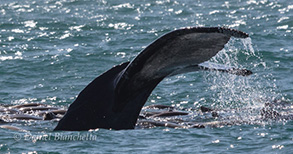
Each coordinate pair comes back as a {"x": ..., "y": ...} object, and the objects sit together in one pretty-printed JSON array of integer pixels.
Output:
[{"x": 115, "y": 98}]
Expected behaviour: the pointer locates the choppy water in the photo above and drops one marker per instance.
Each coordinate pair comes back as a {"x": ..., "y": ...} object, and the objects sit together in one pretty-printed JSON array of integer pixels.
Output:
[{"x": 51, "y": 49}]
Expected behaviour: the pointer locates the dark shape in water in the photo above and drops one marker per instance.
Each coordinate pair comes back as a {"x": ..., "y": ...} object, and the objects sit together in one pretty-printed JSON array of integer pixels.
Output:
[{"x": 115, "y": 98}]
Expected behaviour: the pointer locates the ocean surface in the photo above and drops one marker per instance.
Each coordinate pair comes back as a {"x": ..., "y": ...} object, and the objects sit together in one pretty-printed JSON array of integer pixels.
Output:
[{"x": 51, "y": 49}]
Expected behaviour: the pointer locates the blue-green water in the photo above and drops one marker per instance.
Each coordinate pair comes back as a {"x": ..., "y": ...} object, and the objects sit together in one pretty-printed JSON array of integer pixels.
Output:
[{"x": 51, "y": 49}]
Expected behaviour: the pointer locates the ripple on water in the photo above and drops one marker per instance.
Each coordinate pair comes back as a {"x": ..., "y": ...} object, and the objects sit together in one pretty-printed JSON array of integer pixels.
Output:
[{"x": 50, "y": 50}]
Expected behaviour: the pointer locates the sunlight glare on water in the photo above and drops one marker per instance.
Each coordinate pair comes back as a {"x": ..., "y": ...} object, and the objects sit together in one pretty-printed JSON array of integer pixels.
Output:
[{"x": 51, "y": 49}]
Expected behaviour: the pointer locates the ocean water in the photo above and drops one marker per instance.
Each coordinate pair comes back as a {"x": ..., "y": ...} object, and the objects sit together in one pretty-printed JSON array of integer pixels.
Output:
[{"x": 51, "y": 49}]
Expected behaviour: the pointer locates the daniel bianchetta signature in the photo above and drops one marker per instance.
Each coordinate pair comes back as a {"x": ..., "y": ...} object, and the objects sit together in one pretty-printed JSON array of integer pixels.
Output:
[{"x": 55, "y": 137}]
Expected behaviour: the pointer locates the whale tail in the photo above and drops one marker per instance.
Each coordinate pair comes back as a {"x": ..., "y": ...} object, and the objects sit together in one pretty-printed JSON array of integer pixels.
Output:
[
  {"x": 176, "y": 52},
  {"x": 114, "y": 99}
]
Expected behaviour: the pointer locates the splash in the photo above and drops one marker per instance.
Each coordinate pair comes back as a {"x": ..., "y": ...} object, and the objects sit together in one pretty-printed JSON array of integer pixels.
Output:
[
  {"x": 236, "y": 92},
  {"x": 236, "y": 100}
]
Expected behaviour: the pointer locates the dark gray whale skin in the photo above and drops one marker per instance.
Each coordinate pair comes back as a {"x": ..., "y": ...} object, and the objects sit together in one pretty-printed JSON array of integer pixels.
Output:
[{"x": 115, "y": 98}]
